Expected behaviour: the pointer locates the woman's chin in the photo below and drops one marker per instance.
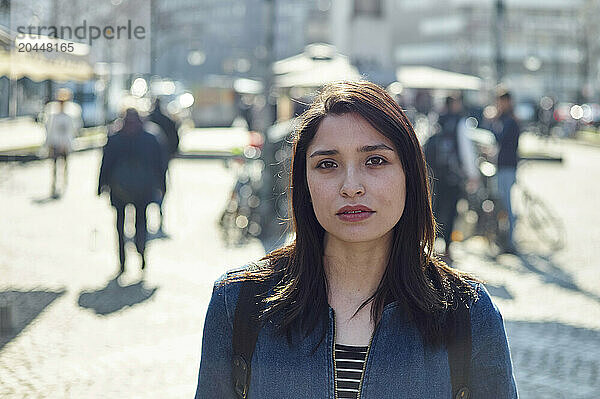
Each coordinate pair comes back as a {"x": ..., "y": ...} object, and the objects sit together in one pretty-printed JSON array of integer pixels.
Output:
[{"x": 357, "y": 236}]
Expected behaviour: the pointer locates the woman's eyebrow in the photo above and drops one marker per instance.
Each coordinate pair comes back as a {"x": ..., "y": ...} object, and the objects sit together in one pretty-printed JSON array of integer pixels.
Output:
[
  {"x": 369, "y": 148},
  {"x": 366, "y": 148},
  {"x": 324, "y": 152}
]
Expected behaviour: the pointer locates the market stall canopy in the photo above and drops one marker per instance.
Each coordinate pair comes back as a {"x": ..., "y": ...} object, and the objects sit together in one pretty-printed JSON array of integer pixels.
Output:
[
  {"x": 43, "y": 65},
  {"x": 20, "y": 65},
  {"x": 424, "y": 77},
  {"x": 247, "y": 86},
  {"x": 317, "y": 65}
]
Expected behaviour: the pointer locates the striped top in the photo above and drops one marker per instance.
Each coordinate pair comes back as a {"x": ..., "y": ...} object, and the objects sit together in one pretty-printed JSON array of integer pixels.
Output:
[{"x": 349, "y": 365}]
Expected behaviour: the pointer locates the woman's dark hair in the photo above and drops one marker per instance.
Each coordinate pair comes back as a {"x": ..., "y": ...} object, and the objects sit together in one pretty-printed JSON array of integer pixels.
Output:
[{"x": 424, "y": 286}]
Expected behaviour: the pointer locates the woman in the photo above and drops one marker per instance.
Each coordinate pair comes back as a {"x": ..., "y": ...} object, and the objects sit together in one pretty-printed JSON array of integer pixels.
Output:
[{"x": 359, "y": 281}]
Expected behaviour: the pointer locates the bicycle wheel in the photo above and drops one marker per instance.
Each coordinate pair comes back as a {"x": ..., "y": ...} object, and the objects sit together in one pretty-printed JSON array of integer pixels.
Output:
[
  {"x": 541, "y": 222},
  {"x": 548, "y": 228}
]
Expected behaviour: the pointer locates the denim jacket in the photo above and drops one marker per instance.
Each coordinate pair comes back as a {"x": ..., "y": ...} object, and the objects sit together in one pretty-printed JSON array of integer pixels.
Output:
[{"x": 397, "y": 366}]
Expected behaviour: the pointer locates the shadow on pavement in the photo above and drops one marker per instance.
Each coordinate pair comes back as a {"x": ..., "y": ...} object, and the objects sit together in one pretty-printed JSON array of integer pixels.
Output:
[
  {"x": 159, "y": 235},
  {"x": 554, "y": 360},
  {"x": 553, "y": 274},
  {"x": 150, "y": 237},
  {"x": 115, "y": 297},
  {"x": 542, "y": 265},
  {"x": 19, "y": 308},
  {"x": 42, "y": 201}
]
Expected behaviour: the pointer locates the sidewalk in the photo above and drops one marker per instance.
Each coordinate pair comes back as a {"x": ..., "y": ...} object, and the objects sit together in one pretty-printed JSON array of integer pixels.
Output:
[
  {"x": 23, "y": 139},
  {"x": 20, "y": 135},
  {"x": 588, "y": 137},
  {"x": 78, "y": 332}
]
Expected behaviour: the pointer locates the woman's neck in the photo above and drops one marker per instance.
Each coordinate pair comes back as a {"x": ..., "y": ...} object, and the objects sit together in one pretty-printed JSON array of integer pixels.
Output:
[{"x": 354, "y": 270}]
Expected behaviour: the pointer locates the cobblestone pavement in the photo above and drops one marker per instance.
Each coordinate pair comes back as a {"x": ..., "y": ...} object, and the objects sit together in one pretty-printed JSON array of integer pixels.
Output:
[
  {"x": 551, "y": 301},
  {"x": 82, "y": 334}
]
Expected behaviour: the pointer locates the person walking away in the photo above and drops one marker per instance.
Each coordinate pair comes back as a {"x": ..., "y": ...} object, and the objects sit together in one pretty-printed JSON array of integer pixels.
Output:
[
  {"x": 61, "y": 128},
  {"x": 450, "y": 155},
  {"x": 171, "y": 145},
  {"x": 132, "y": 169},
  {"x": 507, "y": 131}
]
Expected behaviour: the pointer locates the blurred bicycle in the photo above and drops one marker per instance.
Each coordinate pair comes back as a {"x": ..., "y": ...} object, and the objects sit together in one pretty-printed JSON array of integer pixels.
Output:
[
  {"x": 482, "y": 213},
  {"x": 539, "y": 225},
  {"x": 241, "y": 220}
]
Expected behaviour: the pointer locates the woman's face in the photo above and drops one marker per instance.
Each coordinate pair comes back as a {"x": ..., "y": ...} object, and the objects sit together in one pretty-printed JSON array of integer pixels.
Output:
[{"x": 355, "y": 178}]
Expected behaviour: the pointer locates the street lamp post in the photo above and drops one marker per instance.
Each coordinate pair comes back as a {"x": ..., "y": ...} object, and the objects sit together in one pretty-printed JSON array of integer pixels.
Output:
[
  {"x": 268, "y": 203},
  {"x": 153, "y": 36},
  {"x": 499, "y": 34}
]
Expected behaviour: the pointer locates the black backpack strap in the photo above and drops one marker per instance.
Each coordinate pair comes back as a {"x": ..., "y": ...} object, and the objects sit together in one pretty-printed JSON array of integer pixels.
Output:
[
  {"x": 459, "y": 351},
  {"x": 246, "y": 326}
]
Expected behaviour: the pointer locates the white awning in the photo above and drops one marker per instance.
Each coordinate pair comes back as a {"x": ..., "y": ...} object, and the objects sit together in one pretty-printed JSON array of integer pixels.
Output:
[
  {"x": 70, "y": 65},
  {"x": 17, "y": 65},
  {"x": 247, "y": 86},
  {"x": 424, "y": 77},
  {"x": 317, "y": 65}
]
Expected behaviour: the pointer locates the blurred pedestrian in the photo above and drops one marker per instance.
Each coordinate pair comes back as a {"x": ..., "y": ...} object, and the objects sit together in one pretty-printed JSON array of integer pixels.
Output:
[
  {"x": 450, "y": 155},
  {"x": 170, "y": 144},
  {"x": 545, "y": 116},
  {"x": 133, "y": 170},
  {"x": 356, "y": 305},
  {"x": 61, "y": 129},
  {"x": 507, "y": 131}
]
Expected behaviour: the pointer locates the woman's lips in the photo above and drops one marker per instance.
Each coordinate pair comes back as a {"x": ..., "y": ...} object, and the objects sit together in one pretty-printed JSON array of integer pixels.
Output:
[
  {"x": 355, "y": 216},
  {"x": 354, "y": 213}
]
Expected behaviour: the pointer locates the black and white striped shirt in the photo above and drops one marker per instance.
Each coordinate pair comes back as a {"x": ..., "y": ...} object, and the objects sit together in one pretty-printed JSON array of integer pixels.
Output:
[{"x": 349, "y": 362}]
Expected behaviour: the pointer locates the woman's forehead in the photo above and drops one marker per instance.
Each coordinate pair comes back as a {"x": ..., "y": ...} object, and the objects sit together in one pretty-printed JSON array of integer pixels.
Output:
[{"x": 347, "y": 131}]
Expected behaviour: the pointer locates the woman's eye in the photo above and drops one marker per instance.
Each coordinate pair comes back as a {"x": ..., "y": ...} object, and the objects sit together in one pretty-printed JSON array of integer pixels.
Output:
[
  {"x": 376, "y": 161},
  {"x": 326, "y": 165}
]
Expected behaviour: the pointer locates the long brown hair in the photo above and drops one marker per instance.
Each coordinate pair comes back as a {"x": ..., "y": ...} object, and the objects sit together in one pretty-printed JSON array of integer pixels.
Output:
[{"x": 424, "y": 286}]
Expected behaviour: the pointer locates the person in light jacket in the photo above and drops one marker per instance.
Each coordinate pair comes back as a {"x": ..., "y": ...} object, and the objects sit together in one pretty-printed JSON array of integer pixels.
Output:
[
  {"x": 62, "y": 121},
  {"x": 357, "y": 306}
]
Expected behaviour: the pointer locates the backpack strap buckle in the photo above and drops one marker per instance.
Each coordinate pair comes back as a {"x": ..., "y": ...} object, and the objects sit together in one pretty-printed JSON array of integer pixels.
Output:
[{"x": 463, "y": 393}]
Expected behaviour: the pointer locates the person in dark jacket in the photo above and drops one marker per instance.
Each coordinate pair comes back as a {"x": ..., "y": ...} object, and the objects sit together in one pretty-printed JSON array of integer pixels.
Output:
[
  {"x": 507, "y": 131},
  {"x": 170, "y": 146},
  {"x": 133, "y": 170},
  {"x": 168, "y": 126},
  {"x": 450, "y": 155}
]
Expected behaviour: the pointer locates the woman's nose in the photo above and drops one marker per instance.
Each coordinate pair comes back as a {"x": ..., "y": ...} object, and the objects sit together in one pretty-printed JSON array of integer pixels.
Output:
[{"x": 351, "y": 186}]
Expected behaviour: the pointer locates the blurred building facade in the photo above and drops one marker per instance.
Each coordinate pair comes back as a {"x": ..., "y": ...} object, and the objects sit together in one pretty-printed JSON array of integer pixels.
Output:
[
  {"x": 590, "y": 42},
  {"x": 132, "y": 54},
  {"x": 544, "y": 47},
  {"x": 363, "y": 30},
  {"x": 114, "y": 61},
  {"x": 197, "y": 39},
  {"x": 541, "y": 51}
]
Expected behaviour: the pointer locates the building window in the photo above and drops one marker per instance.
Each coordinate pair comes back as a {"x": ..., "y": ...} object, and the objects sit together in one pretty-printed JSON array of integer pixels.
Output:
[{"x": 368, "y": 8}]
